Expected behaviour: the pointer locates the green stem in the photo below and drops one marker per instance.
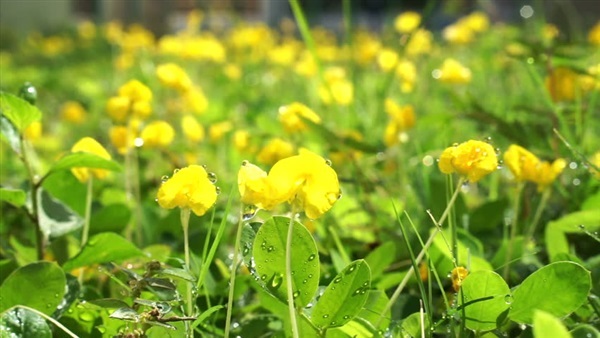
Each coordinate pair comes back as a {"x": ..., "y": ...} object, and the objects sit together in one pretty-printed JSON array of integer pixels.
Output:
[
  {"x": 411, "y": 270},
  {"x": 234, "y": 266},
  {"x": 39, "y": 235},
  {"x": 86, "y": 223},
  {"x": 513, "y": 230},
  {"x": 538, "y": 213},
  {"x": 185, "y": 222},
  {"x": 288, "y": 277}
]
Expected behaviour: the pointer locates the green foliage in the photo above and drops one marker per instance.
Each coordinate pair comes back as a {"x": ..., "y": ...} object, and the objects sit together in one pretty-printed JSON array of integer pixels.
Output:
[
  {"x": 484, "y": 296},
  {"x": 84, "y": 160},
  {"x": 546, "y": 325},
  {"x": 15, "y": 197},
  {"x": 102, "y": 248},
  {"x": 22, "y": 323},
  {"x": 18, "y": 111}
]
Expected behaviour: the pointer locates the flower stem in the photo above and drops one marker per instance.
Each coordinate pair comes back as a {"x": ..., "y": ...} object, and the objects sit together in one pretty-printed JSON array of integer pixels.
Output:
[
  {"x": 86, "y": 222},
  {"x": 288, "y": 276},
  {"x": 185, "y": 222},
  {"x": 538, "y": 214},
  {"x": 513, "y": 230},
  {"x": 419, "y": 258},
  {"x": 234, "y": 266}
]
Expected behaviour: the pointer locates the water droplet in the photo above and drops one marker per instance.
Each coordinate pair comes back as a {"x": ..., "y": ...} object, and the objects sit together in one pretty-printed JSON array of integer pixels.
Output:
[
  {"x": 351, "y": 269},
  {"x": 217, "y": 190},
  {"x": 337, "y": 280},
  {"x": 86, "y": 316},
  {"x": 310, "y": 275},
  {"x": 245, "y": 162},
  {"x": 366, "y": 284},
  {"x": 164, "y": 178},
  {"x": 325, "y": 316},
  {"x": 328, "y": 162},
  {"x": 276, "y": 281},
  {"x": 246, "y": 250},
  {"x": 249, "y": 212},
  {"x": 270, "y": 249},
  {"x": 508, "y": 299},
  {"x": 296, "y": 294},
  {"x": 346, "y": 317},
  {"x": 212, "y": 177},
  {"x": 581, "y": 227},
  {"x": 305, "y": 281},
  {"x": 176, "y": 170},
  {"x": 263, "y": 277},
  {"x": 311, "y": 257},
  {"x": 333, "y": 322}
]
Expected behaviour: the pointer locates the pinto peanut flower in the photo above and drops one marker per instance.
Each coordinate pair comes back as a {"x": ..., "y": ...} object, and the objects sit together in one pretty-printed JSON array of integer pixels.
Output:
[
  {"x": 189, "y": 188},
  {"x": 472, "y": 159},
  {"x": 525, "y": 166},
  {"x": 173, "y": 76},
  {"x": 290, "y": 116},
  {"x": 158, "y": 134},
  {"x": 89, "y": 145},
  {"x": 306, "y": 181}
]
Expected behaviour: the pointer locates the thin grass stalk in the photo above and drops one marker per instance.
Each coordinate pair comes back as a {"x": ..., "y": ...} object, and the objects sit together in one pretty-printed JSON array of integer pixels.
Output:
[
  {"x": 513, "y": 230},
  {"x": 86, "y": 221},
  {"x": 234, "y": 266},
  {"x": 538, "y": 213},
  {"x": 288, "y": 277},
  {"x": 185, "y": 224},
  {"x": 411, "y": 270}
]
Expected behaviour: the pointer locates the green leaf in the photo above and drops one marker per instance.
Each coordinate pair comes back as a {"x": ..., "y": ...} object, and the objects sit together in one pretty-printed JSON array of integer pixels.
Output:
[
  {"x": 114, "y": 217},
  {"x": 39, "y": 285},
  {"x": 56, "y": 219},
  {"x": 21, "y": 323},
  {"x": 344, "y": 297},
  {"x": 486, "y": 296},
  {"x": 585, "y": 331},
  {"x": 467, "y": 248},
  {"x": 66, "y": 188},
  {"x": 558, "y": 288},
  {"x": 412, "y": 324},
  {"x": 546, "y": 325},
  {"x": 10, "y": 134},
  {"x": 15, "y": 197},
  {"x": 206, "y": 314},
  {"x": 84, "y": 160},
  {"x": 102, "y": 248},
  {"x": 20, "y": 112},
  {"x": 126, "y": 313},
  {"x": 269, "y": 254},
  {"x": 488, "y": 216},
  {"x": 577, "y": 222},
  {"x": 380, "y": 258}
]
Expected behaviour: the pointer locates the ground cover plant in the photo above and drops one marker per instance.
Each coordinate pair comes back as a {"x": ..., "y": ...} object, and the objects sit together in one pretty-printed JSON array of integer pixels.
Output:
[{"x": 253, "y": 181}]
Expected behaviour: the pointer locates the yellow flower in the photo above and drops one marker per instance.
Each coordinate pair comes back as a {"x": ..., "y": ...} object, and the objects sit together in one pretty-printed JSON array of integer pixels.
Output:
[
  {"x": 190, "y": 187},
  {"x": 89, "y": 145},
  {"x": 275, "y": 150},
  {"x": 86, "y": 30},
  {"x": 387, "y": 59},
  {"x": 401, "y": 119},
  {"x": 472, "y": 159},
  {"x": 547, "y": 172},
  {"x": 420, "y": 43},
  {"x": 117, "y": 108},
  {"x": 458, "y": 276},
  {"x": 241, "y": 140},
  {"x": 550, "y": 32},
  {"x": 33, "y": 132},
  {"x": 135, "y": 91},
  {"x": 594, "y": 35},
  {"x": 232, "y": 71},
  {"x": 192, "y": 129},
  {"x": 306, "y": 65},
  {"x": 73, "y": 111},
  {"x": 141, "y": 109},
  {"x": 307, "y": 181},
  {"x": 290, "y": 116},
  {"x": 562, "y": 84},
  {"x": 454, "y": 72},
  {"x": 521, "y": 163},
  {"x": 595, "y": 160},
  {"x": 218, "y": 130},
  {"x": 407, "y": 22},
  {"x": 407, "y": 74},
  {"x": 195, "y": 100},
  {"x": 121, "y": 138},
  {"x": 158, "y": 134},
  {"x": 476, "y": 21},
  {"x": 173, "y": 76},
  {"x": 341, "y": 91},
  {"x": 458, "y": 34}
]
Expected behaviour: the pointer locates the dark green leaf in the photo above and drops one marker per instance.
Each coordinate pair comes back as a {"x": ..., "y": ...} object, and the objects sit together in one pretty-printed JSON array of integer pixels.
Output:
[
  {"x": 558, "y": 288},
  {"x": 103, "y": 248},
  {"x": 72, "y": 292},
  {"x": 56, "y": 219},
  {"x": 15, "y": 197},
  {"x": 10, "y": 134},
  {"x": 109, "y": 303},
  {"x": 380, "y": 258},
  {"x": 577, "y": 222},
  {"x": 39, "y": 285},
  {"x": 269, "y": 254},
  {"x": 20, "y": 112},
  {"x": 114, "y": 218},
  {"x": 344, "y": 297},
  {"x": 412, "y": 324},
  {"x": 21, "y": 323}
]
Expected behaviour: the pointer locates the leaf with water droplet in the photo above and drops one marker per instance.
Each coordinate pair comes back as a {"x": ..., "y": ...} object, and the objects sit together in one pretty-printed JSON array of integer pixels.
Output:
[
  {"x": 23, "y": 323},
  {"x": 102, "y": 248},
  {"x": 484, "y": 295},
  {"x": 345, "y": 296},
  {"x": 269, "y": 245}
]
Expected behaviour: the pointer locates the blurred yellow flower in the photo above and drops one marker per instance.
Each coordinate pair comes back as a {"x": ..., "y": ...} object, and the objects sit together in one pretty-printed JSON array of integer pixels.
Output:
[
  {"x": 232, "y": 71},
  {"x": 141, "y": 109},
  {"x": 407, "y": 22},
  {"x": 458, "y": 275},
  {"x": 594, "y": 35},
  {"x": 336, "y": 89},
  {"x": 458, "y": 34},
  {"x": 192, "y": 129},
  {"x": 547, "y": 172},
  {"x": 563, "y": 84},
  {"x": 195, "y": 100},
  {"x": 253, "y": 186},
  {"x": 135, "y": 91},
  {"x": 173, "y": 76},
  {"x": 407, "y": 74},
  {"x": 402, "y": 118},
  {"x": 595, "y": 160},
  {"x": 366, "y": 47},
  {"x": 549, "y": 32},
  {"x": 121, "y": 138},
  {"x": 275, "y": 150},
  {"x": 73, "y": 111},
  {"x": 89, "y": 145},
  {"x": 306, "y": 66},
  {"x": 454, "y": 72},
  {"x": 218, "y": 130},
  {"x": 189, "y": 188},
  {"x": 387, "y": 59},
  {"x": 241, "y": 140},
  {"x": 420, "y": 43},
  {"x": 118, "y": 107},
  {"x": 157, "y": 134},
  {"x": 525, "y": 166},
  {"x": 476, "y": 21},
  {"x": 284, "y": 54},
  {"x": 290, "y": 117},
  {"x": 33, "y": 132},
  {"x": 133, "y": 100},
  {"x": 124, "y": 61},
  {"x": 86, "y": 30},
  {"x": 472, "y": 159}
]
